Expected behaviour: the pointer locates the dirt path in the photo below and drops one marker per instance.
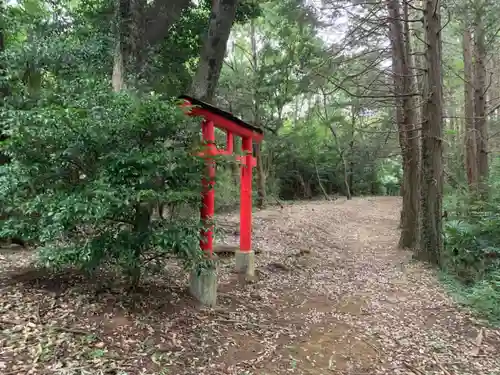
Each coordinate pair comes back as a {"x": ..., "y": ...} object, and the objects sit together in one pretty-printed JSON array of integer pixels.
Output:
[
  {"x": 366, "y": 307},
  {"x": 334, "y": 296}
]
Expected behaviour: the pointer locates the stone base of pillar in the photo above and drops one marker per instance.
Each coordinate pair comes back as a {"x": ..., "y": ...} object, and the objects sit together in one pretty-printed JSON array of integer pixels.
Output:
[
  {"x": 245, "y": 262},
  {"x": 203, "y": 285}
]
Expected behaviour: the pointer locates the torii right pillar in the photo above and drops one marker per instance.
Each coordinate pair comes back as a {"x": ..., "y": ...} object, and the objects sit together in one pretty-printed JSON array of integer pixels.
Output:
[{"x": 245, "y": 256}]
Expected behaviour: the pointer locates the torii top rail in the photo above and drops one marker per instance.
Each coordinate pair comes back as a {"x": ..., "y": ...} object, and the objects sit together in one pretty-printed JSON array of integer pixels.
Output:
[{"x": 214, "y": 117}]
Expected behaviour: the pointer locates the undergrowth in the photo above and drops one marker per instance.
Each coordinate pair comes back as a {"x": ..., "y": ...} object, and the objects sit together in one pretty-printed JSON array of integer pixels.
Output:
[
  {"x": 483, "y": 297},
  {"x": 471, "y": 261}
]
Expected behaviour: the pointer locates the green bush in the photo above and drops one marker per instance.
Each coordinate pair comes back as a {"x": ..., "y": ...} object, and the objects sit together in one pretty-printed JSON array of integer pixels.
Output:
[
  {"x": 472, "y": 250},
  {"x": 472, "y": 237},
  {"x": 389, "y": 175},
  {"x": 88, "y": 169}
]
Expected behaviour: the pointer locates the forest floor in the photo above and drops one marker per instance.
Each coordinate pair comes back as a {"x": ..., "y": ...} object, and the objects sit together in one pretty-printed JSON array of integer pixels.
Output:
[{"x": 334, "y": 296}]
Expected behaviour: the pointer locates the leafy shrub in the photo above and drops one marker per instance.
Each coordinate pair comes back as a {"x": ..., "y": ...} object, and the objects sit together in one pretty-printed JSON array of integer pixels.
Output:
[
  {"x": 227, "y": 188},
  {"x": 472, "y": 250},
  {"x": 472, "y": 236},
  {"x": 389, "y": 175},
  {"x": 88, "y": 169}
]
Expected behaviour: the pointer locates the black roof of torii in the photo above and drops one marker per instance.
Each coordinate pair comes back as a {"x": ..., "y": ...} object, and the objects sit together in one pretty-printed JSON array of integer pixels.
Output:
[{"x": 227, "y": 115}]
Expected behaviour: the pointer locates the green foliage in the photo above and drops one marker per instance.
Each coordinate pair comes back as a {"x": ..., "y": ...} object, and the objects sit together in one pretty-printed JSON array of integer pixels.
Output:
[
  {"x": 227, "y": 190},
  {"x": 88, "y": 167},
  {"x": 170, "y": 67},
  {"x": 283, "y": 82},
  {"x": 482, "y": 297},
  {"x": 472, "y": 234},
  {"x": 389, "y": 175},
  {"x": 302, "y": 160},
  {"x": 173, "y": 63},
  {"x": 305, "y": 155},
  {"x": 472, "y": 248}
]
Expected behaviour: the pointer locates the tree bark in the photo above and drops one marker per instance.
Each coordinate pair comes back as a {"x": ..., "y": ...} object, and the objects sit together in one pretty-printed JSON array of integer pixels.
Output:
[
  {"x": 118, "y": 76},
  {"x": 318, "y": 177},
  {"x": 354, "y": 115},
  {"x": 494, "y": 102},
  {"x": 214, "y": 49},
  {"x": 345, "y": 164},
  {"x": 4, "y": 92},
  {"x": 121, "y": 52},
  {"x": 161, "y": 16},
  {"x": 493, "y": 92},
  {"x": 5, "y": 159},
  {"x": 4, "y": 88},
  {"x": 128, "y": 34},
  {"x": 128, "y": 51},
  {"x": 471, "y": 165},
  {"x": 235, "y": 169},
  {"x": 410, "y": 230},
  {"x": 480, "y": 103},
  {"x": 431, "y": 236},
  {"x": 260, "y": 174},
  {"x": 151, "y": 23},
  {"x": 260, "y": 177},
  {"x": 406, "y": 117}
]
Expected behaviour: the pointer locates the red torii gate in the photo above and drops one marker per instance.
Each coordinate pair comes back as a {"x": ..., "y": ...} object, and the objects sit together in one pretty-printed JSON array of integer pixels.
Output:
[{"x": 214, "y": 117}]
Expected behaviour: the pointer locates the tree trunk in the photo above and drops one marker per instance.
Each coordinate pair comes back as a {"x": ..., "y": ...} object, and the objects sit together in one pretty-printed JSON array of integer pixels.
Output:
[
  {"x": 318, "y": 177},
  {"x": 471, "y": 165},
  {"x": 214, "y": 49},
  {"x": 128, "y": 34},
  {"x": 260, "y": 175},
  {"x": 128, "y": 50},
  {"x": 120, "y": 53},
  {"x": 409, "y": 233},
  {"x": 151, "y": 23},
  {"x": 431, "y": 237},
  {"x": 480, "y": 104},
  {"x": 235, "y": 168},
  {"x": 161, "y": 16},
  {"x": 344, "y": 164},
  {"x": 4, "y": 92},
  {"x": 137, "y": 37},
  {"x": 494, "y": 103},
  {"x": 348, "y": 192},
  {"x": 118, "y": 76},
  {"x": 354, "y": 114},
  {"x": 5, "y": 159},
  {"x": 4, "y": 89},
  {"x": 406, "y": 116},
  {"x": 142, "y": 232},
  {"x": 351, "y": 168}
]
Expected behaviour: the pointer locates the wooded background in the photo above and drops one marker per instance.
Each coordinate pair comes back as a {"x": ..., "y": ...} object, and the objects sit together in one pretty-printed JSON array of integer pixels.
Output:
[{"x": 355, "y": 97}]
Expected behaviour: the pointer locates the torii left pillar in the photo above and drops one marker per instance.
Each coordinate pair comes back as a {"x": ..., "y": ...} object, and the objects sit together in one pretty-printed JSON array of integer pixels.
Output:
[{"x": 203, "y": 282}]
